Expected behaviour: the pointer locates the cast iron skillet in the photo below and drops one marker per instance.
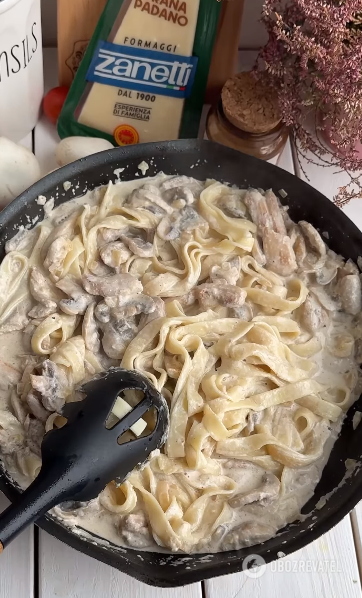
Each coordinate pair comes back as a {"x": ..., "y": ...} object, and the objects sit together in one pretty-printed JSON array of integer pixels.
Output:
[{"x": 203, "y": 160}]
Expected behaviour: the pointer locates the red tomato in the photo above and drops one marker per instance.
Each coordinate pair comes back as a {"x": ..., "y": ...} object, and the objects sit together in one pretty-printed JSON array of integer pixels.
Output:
[{"x": 53, "y": 102}]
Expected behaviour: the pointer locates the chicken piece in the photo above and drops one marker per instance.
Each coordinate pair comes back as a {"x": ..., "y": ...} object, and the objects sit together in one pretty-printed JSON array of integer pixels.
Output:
[
  {"x": 257, "y": 253},
  {"x": 275, "y": 212},
  {"x": 317, "y": 253},
  {"x": 52, "y": 385},
  {"x": 350, "y": 292},
  {"x": 135, "y": 532},
  {"x": 258, "y": 210},
  {"x": 212, "y": 295},
  {"x": 18, "y": 318},
  {"x": 79, "y": 300},
  {"x": 171, "y": 226},
  {"x": 23, "y": 239},
  {"x": 64, "y": 230},
  {"x": 90, "y": 330},
  {"x": 110, "y": 286},
  {"x": 299, "y": 246},
  {"x": 280, "y": 257},
  {"x": 313, "y": 316},
  {"x": 40, "y": 287},
  {"x": 116, "y": 337},
  {"x": 56, "y": 255},
  {"x": 228, "y": 273},
  {"x": 173, "y": 366},
  {"x": 138, "y": 246},
  {"x": 11, "y": 433},
  {"x": 115, "y": 254},
  {"x": 41, "y": 290}
]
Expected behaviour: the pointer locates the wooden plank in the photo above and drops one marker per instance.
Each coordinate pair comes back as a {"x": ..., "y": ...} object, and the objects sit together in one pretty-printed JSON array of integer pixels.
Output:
[
  {"x": 17, "y": 564},
  {"x": 66, "y": 573},
  {"x": 327, "y": 568}
]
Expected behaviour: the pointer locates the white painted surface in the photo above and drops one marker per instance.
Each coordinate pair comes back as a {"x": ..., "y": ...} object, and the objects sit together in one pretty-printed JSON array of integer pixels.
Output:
[
  {"x": 327, "y": 568},
  {"x": 17, "y": 564},
  {"x": 65, "y": 573}
]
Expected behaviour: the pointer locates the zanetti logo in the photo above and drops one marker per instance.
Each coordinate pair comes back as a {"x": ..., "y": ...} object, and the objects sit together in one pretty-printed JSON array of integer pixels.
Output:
[{"x": 143, "y": 70}]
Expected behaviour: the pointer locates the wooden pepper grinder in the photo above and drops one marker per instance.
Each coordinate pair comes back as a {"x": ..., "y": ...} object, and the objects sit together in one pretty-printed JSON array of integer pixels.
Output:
[
  {"x": 225, "y": 54},
  {"x": 77, "y": 20}
]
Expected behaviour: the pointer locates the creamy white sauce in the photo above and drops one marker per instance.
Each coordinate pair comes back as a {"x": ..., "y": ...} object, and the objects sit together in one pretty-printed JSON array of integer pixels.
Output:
[{"x": 299, "y": 484}]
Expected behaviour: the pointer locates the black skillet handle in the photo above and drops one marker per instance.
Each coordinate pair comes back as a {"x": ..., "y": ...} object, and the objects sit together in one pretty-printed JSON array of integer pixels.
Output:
[{"x": 49, "y": 489}]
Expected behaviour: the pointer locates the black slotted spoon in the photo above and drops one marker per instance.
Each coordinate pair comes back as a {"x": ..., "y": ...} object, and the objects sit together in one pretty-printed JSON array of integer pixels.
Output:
[{"x": 82, "y": 457}]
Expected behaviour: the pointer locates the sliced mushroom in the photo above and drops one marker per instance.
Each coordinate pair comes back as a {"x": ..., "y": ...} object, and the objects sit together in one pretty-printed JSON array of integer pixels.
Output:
[
  {"x": 52, "y": 384},
  {"x": 110, "y": 286},
  {"x": 109, "y": 235},
  {"x": 326, "y": 274},
  {"x": 181, "y": 187},
  {"x": 115, "y": 254},
  {"x": 128, "y": 306},
  {"x": 36, "y": 407},
  {"x": 159, "y": 312},
  {"x": 102, "y": 312},
  {"x": 258, "y": 210},
  {"x": 244, "y": 312},
  {"x": 43, "y": 310},
  {"x": 247, "y": 534},
  {"x": 90, "y": 330},
  {"x": 138, "y": 246},
  {"x": 171, "y": 226},
  {"x": 56, "y": 255},
  {"x": 149, "y": 198},
  {"x": 117, "y": 336},
  {"x": 350, "y": 292},
  {"x": 35, "y": 431},
  {"x": 79, "y": 299},
  {"x": 325, "y": 299},
  {"x": 279, "y": 253},
  {"x": 313, "y": 316},
  {"x": 232, "y": 205},
  {"x": 264, "y": 495},
  {"x": 275, "y": 212},
  {"x": 212, "y": 295}
]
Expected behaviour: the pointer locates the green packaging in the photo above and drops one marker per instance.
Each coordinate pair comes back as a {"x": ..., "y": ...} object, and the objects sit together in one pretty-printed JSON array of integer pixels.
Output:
[{"x": 144, "y": 75}]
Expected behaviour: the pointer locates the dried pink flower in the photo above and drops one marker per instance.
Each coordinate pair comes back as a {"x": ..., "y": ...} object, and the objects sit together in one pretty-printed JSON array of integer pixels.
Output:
[{"x": 313, "y": 60}]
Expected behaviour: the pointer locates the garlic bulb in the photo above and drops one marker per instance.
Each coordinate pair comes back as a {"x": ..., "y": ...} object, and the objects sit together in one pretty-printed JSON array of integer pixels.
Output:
[
  {"x": 74, "y": 148},
  {"x": 19, "y": 169}
]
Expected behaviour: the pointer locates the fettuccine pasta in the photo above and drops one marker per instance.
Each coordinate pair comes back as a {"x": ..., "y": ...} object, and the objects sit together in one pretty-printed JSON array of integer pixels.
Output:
[{"x": 246, "y": 322}]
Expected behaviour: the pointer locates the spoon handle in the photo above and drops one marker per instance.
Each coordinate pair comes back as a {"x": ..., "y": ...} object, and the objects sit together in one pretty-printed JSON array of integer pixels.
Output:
[{"x": 47, "y": 490}]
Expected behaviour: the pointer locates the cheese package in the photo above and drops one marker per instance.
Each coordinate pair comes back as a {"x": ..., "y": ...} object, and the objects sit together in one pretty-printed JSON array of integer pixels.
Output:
[{"x": 144, "y": 74}]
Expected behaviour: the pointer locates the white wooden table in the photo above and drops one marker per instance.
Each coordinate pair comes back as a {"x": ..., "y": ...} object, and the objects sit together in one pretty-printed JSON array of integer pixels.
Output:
[{"x": 39, "y": 566}]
